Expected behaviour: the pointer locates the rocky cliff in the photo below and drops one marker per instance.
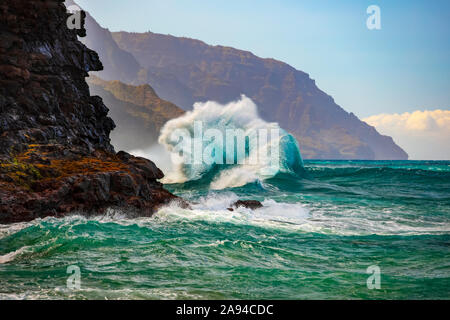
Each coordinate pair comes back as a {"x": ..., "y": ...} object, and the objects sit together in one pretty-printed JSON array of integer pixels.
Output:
[{"x": 55, "y": 150}]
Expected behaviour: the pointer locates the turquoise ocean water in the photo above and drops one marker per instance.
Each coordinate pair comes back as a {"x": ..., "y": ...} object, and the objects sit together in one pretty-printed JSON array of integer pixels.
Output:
[{"x": 314, "y": 239}]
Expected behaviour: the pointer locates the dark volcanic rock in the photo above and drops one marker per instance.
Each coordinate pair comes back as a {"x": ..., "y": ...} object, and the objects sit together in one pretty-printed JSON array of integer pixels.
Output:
[
  {"x": 88, "y": 184},
  {"x": 250, "y": 204},
  {"x": 55, "y": 151},
  {"x": 44, "y": 96}
]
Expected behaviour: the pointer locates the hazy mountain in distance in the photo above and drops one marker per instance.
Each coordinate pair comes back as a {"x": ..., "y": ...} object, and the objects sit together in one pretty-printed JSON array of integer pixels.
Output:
[
  {"x": 184, "y": 71},
  {"x": 118, "y": 64},
  {"x": 137, "y": 111},
  {"x": 283, "y": 94}
]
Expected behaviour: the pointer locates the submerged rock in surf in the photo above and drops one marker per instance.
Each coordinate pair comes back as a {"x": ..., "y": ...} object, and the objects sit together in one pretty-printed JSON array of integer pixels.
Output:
[{"x": 249, "y": 204}]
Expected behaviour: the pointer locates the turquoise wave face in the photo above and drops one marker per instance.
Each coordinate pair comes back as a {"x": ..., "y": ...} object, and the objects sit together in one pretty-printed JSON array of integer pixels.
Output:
[
  {"x": 227, "y": 146},
  {"x": 314, "y": 238}
]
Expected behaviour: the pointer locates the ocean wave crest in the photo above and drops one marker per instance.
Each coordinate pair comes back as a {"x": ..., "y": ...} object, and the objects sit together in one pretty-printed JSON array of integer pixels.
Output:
[{"x": 266, "y": 151}]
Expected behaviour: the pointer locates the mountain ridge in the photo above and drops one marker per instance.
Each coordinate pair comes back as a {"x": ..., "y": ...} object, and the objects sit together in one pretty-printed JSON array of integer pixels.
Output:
[
  {"x": 139, "y": 112},
  {"x": 184, "y": 71}
]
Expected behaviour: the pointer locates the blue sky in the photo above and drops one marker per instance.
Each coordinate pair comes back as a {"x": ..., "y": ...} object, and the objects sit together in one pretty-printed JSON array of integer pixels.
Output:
[{"x": 403, "y": 67}]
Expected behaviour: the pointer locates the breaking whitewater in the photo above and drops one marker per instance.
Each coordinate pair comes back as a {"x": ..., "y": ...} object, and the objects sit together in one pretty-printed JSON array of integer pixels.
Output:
[{"x": 323, "y": 228}]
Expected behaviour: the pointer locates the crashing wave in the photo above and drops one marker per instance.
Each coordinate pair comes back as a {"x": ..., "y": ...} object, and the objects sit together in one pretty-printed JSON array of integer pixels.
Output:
[{"x": 228, "y": 144}]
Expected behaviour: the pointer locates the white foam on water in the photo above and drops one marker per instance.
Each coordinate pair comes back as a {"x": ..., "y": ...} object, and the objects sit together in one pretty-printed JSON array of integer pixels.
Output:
[
  {"x": 214, "y": 208},
  {"x": 58, "y": 293},
  {"x": 12, "y": 255},
  {"x": 361, "y": 220},
  {"x": 8, "y": 229},
  {"x": 293, "y": 217},
  {"x": 298, "y": 217},
  {"x": 233, "y": 178}
]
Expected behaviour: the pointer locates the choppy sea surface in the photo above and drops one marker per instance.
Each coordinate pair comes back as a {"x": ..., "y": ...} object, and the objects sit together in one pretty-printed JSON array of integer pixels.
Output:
[{"x": 315, "y": 238}]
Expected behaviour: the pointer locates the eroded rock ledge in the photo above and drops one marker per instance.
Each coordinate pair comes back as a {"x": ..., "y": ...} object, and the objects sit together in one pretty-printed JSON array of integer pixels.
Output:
[
  {"x": 39, "y": 183},
  {"x": 55, "y": 151}
]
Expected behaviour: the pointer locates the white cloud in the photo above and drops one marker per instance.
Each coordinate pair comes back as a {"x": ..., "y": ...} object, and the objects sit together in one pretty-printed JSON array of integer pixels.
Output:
[{"x": 423, "y": 134}]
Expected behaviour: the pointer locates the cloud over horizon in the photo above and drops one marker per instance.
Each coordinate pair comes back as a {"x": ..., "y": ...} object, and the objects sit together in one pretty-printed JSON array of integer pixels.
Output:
[{"x": 423, "y": 134}]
